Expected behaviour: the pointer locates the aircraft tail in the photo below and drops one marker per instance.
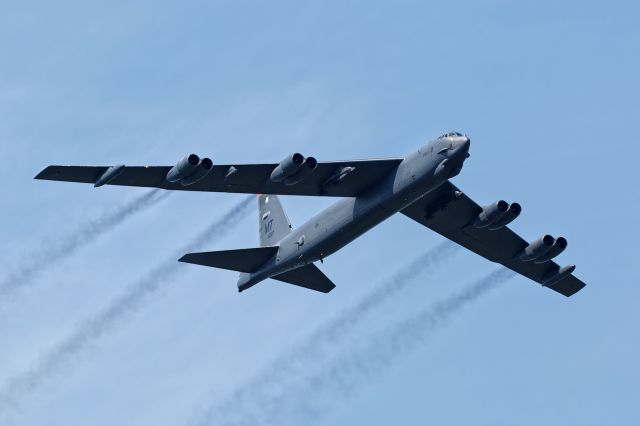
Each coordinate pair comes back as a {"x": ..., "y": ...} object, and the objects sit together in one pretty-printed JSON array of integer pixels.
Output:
[
  {"x": 242, "y": 260},
  {"x": 248, "y": 260},
  {"x": 274, "y": 226},
  {"x": 274, "y": 223},
  {"x": 308, "y": 276}
]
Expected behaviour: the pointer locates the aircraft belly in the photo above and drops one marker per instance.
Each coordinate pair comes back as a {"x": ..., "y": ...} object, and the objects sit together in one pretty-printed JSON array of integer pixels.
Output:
[
  {"x": 363, "y": 215},
  {"x": 343, "y": 222}
]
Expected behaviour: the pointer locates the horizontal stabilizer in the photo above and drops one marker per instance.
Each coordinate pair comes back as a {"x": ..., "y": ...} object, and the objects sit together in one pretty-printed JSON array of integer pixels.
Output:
[
  {"x": 242, "y": 260},
  {"x": 308, "y": 276}
]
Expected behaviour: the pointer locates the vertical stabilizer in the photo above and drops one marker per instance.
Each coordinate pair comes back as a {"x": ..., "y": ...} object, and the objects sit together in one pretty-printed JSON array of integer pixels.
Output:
[{"x": 274, "y": 223}]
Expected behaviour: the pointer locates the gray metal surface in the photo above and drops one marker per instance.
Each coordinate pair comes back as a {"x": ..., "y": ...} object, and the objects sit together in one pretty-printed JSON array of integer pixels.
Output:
[
  {"x": 417, "y": 186},
  {"x": 247, "y": 178},
  {"x": 243, "y": 260},
  {"x": 273, "y": 222},
  {"x": 308, "y": 276},
  {"x": 451, "y": 217}
]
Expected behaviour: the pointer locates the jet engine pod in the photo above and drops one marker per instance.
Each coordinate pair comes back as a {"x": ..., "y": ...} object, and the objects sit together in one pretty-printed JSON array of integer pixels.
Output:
[
  {"x": 185, "y": 167},
  {"x": 514, "y": 211},
  {"x": 491, "y": 214},
  {"x": 203, "y": 169},
  {"x": 287, "y": 167},
  {"x": 558, "y": 247},
  {"x": 537, "y": 249},
  {"x": 310, "y": 165}
]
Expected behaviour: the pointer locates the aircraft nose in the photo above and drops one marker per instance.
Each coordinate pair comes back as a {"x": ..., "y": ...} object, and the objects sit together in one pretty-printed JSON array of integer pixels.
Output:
[
  {"x": 466, "y": 143},
  {"x": 461, "y": 149}
]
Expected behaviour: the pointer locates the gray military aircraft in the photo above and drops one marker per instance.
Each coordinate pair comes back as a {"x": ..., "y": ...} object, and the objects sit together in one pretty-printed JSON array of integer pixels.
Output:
[{"x": 417, "y": 186}]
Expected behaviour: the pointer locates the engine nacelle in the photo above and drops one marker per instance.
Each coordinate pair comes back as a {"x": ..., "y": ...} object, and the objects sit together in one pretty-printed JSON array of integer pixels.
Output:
[
  {"x": 537, "y": 249},
  {"x": 510, "y": 215},
  {"x": 203, "y": 169},
  {"x": 310, "y": 165},
  {"x": 287, "y": 167},
  {"x": 185, "y": 168},
  {"x": 491, "y": 214},
  {"x": 558, "y": 247}
]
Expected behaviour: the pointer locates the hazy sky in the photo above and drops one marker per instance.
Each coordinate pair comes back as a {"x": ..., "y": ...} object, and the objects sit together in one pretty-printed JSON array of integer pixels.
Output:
[{"x": 547, "y": 90}]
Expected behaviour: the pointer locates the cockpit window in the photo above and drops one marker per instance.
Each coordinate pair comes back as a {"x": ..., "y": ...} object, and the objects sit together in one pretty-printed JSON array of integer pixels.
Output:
[{"x": 446, "y": 135}]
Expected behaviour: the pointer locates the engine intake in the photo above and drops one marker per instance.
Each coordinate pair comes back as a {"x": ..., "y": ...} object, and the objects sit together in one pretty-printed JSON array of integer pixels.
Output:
[
  {"x": 287, "y": 167},
  {"x": 203, "y": 169},
  {"x": 510, "y": 215},
  {"x": 558, "y": 247},
  {"x": 537, "y": 249},
  {"x": 185, "y": 168},
  {"x": 491, "y": 214},
  {"x": 310, "y": 165}
]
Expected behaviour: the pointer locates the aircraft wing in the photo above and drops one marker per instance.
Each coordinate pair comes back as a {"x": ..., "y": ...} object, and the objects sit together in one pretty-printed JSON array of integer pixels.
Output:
[
  {"x": 336, "y": 179},
  {"x": 451, "y": 213}
]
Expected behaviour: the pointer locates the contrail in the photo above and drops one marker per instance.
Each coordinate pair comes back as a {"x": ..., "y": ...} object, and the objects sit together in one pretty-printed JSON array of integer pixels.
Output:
[
  {"x": 306, "y": 400},
  {"x": 50, "y": 254},
  {"x": 295, "y": 362},
  {"x": 106, "y": 320}
]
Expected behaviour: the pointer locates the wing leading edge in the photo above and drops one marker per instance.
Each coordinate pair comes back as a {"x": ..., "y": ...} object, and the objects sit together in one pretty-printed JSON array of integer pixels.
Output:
[
  {"x": 240, "y": 178},
  {"x": 450, "y": 213}
]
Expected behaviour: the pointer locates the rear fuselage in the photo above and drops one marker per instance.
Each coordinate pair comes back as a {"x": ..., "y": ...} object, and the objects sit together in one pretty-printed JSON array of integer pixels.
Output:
[{"x": 349, "y": 218}]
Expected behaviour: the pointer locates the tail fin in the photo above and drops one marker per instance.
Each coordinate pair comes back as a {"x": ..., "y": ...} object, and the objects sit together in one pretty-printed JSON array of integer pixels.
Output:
[{"x": 274, "y": 224}]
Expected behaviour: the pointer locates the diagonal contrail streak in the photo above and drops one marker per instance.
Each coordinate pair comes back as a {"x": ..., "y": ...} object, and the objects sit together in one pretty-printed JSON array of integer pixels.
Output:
[
  {"x": 39, "y": 261},
  {"x": 89, "y": 332},
  {"x": 305, "y": 400},
  {"x": 323, "y": 340}
]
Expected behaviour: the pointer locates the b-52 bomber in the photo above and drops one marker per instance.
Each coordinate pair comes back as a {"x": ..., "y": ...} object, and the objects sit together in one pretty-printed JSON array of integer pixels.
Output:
[{"x": 417, "y": 186}]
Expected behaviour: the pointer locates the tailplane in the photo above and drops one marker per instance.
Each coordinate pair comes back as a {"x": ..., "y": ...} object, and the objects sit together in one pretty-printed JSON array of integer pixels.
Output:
[
  {"x": 274, "y": 223},
  {"x": 242, "y": 260},
  {"x": 308, "y": 276},
  {"x": 274, "y": 226}
]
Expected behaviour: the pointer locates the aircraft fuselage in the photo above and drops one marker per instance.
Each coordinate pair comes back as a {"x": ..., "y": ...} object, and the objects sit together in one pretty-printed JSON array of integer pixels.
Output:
[{"x": 349, "y": 218}]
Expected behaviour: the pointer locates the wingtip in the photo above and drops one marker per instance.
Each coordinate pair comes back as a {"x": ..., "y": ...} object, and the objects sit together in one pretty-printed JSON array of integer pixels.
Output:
[
  {"x": 328, "y": 289},
  {"x": 42, "y": 174}
]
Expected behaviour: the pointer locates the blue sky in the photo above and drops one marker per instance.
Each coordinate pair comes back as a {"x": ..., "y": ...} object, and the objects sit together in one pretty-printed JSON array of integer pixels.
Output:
[{"x": 548, "y": 92}]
